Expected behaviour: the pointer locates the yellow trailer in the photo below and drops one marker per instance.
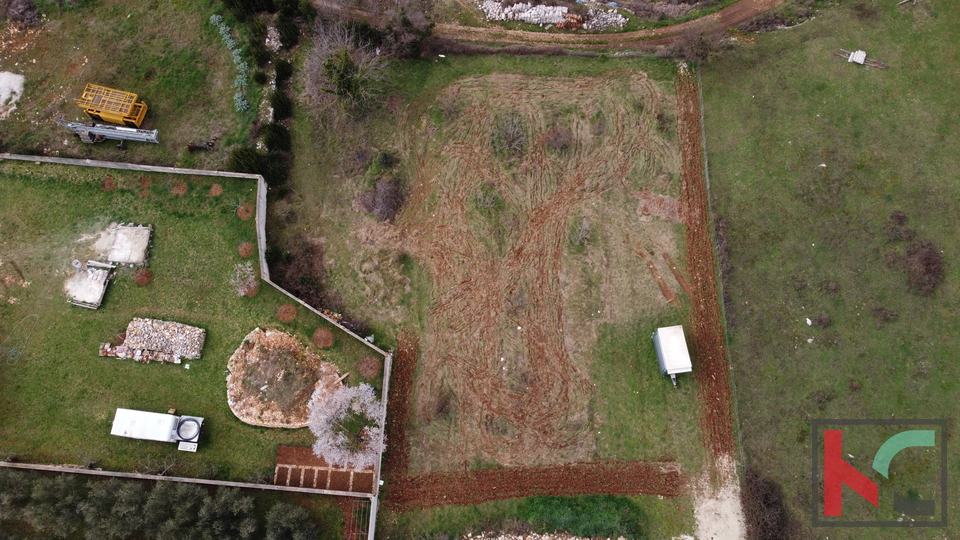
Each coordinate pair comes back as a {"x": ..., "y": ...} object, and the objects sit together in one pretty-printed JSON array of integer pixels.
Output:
[{"x": 115, "y": 106}]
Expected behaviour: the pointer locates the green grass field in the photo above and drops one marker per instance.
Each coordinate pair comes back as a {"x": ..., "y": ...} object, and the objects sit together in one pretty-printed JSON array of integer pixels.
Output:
[
  {"x": 809, "y": 156},
  {"x": 165, "y": 52},
  {"x": 59, "y": 397}
]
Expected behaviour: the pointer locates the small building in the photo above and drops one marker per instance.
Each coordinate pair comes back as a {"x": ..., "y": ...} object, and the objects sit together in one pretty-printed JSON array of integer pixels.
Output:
[
  {"x": 672, "y": 353},
  {"x": 149, "y": 426},
  {"x": 115, "y": 106}
]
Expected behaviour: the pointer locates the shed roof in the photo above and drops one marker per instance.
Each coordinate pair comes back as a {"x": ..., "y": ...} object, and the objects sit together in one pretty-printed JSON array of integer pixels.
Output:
[
  {"x": 144, "y": 425},
  {"x": 673, "y": 348},
  {"x": 168, "y": 337}
]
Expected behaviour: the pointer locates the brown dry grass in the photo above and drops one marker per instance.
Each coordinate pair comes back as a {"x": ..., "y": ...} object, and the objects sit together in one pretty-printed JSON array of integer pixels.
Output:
[
  {"x": 216, "y": 190},
  {"x": 503, "y": 274}
]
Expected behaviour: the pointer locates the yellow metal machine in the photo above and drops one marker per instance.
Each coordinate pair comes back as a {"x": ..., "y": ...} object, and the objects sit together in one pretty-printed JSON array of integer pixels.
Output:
[{"x": 115, "y": 106}]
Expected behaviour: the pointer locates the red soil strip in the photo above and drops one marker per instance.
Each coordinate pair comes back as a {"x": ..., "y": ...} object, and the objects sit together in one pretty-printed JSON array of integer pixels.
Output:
[
  {"x": 475, "y": 487},
  {"x": 707, "y": 335},
  {"x": 398, "y": 404}
]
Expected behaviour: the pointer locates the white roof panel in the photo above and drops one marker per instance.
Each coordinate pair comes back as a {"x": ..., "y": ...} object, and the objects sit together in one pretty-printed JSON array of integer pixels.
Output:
[
  {"x": 144, "y": 425},
  {"x": 676, "y": 356}
]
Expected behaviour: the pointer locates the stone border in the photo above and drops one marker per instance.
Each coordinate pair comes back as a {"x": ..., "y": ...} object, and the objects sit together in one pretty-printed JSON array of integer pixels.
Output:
[{"x": 261, "y": 220}]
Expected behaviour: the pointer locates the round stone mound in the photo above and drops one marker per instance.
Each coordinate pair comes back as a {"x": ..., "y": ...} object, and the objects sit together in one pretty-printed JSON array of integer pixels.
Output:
[{"x": 271, "y": 378}]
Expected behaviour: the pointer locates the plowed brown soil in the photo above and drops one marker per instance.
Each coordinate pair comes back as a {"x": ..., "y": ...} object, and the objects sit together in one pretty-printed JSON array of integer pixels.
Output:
[
  {"x": 475, "y": 487},
  {"x": 706, "y": 333}
]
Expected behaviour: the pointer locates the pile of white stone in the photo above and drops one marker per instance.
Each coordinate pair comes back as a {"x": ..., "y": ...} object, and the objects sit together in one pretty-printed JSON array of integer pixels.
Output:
[
  {"x": 495, "y": 11},
  {"x": 603, "y": 19}
]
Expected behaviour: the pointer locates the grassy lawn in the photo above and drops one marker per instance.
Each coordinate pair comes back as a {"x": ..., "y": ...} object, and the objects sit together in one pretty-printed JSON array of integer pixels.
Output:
[
  {"x": 809, "y": 156},
  {"x": 661, "y": 519},
  {"x": 58, "y": 396},
  {"x": 166, "y": 52}
]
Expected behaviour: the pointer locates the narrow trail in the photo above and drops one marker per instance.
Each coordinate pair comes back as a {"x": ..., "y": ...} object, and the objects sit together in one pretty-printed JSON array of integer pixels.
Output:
[{"x": 728, "y": 17}]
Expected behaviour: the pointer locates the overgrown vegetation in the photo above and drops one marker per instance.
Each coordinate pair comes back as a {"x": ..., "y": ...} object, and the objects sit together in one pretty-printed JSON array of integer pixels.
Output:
[
  {"x": 70, "y": 506},
  {"x": 592, "y": 516}
]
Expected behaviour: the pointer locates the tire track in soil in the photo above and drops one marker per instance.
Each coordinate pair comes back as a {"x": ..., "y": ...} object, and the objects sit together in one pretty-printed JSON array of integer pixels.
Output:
[{"x": 707, "y": 334}]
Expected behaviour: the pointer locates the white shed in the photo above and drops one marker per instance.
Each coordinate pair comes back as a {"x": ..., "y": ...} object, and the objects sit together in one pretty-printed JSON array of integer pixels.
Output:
[
  {"x": 151, "y": 426},
  {"x": 672, "y": 353}
]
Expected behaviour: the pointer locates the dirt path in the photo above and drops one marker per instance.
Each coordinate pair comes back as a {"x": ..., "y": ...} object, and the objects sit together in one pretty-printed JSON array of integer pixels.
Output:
[
  {"x": 728, "y": 17},
  {"x": 717, "y": 507},
  {"x": 707, "y": 334},
  {"x": 475, "y": 487}
]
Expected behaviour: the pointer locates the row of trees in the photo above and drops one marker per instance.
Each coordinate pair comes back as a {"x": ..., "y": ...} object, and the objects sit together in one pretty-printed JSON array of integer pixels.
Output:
[{"x": 68, "y": 506}]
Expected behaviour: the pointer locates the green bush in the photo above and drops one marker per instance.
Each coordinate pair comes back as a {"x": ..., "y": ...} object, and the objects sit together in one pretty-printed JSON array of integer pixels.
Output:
[
  {"x": 282, "y": 105},
  {"x": 260, "y": 77},
  {"x": 284, "y": 70},
  {"x": 273, "y": 166},
  {"x": 276, "y": 137},
  {"x": 288, "y": 30},
  {"x": 258, "y": 51},
  {"x": 587, "y": 516}
]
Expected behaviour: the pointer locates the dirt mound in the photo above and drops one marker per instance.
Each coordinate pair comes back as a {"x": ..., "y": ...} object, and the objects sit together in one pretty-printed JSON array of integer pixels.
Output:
[
  {"x": 245, "y": 249},
  {"x": 216, "y": 190},
  {"x": 272, "y": 376}
]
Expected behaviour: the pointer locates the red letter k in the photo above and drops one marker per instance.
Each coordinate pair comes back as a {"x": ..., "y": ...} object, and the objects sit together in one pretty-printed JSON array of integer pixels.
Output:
[{"x": 836, "y": 472}]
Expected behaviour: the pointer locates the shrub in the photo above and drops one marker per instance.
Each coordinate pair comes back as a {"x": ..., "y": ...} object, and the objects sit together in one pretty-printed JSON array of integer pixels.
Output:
[
  {"x": 244, "y": 282},
  {"x": 347, "y": 424},
  {"x": 590, "y": 516},
  {"x": 288, "y": 30},
  {"x": 924, "y": 266},
  {"x": 287, "y": 313},
  {"x": 276, "y": 138},
  {"x": 766, "y": 514},
  {"x": 286, "y": 521},
  {"x": 369, "y": 367},
  {"x": 283, "y": 70},
  {"x": 142, "y": 277},
  {"x": 282, "y": 105},
  {"x": 258, "y": 51},
  {"x": 273, "y": 166},
  {"x": 558, "y": 138},
  {"x": 385, "y": 201},
  {"x": 509, "y": 134},
  {"x": 323, "y": 338}
]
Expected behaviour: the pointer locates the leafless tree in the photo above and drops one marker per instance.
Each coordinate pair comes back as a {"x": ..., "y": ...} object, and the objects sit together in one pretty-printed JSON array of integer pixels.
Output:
[{"x": 342, "y": 70}]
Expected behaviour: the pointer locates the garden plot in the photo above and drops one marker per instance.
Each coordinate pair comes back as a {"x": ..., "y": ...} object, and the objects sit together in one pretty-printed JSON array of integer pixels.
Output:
[{"x": 524, "y": 212}]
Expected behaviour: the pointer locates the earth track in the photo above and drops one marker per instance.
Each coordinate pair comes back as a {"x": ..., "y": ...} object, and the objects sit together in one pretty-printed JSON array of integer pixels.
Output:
[
  {"x": 728, "y": 17},
  {"x": 707, "y": 335}
]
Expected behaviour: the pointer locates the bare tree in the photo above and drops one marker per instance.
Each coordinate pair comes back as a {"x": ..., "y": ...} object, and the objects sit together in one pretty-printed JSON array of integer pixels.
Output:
[{"x": 342, "y": 67}]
